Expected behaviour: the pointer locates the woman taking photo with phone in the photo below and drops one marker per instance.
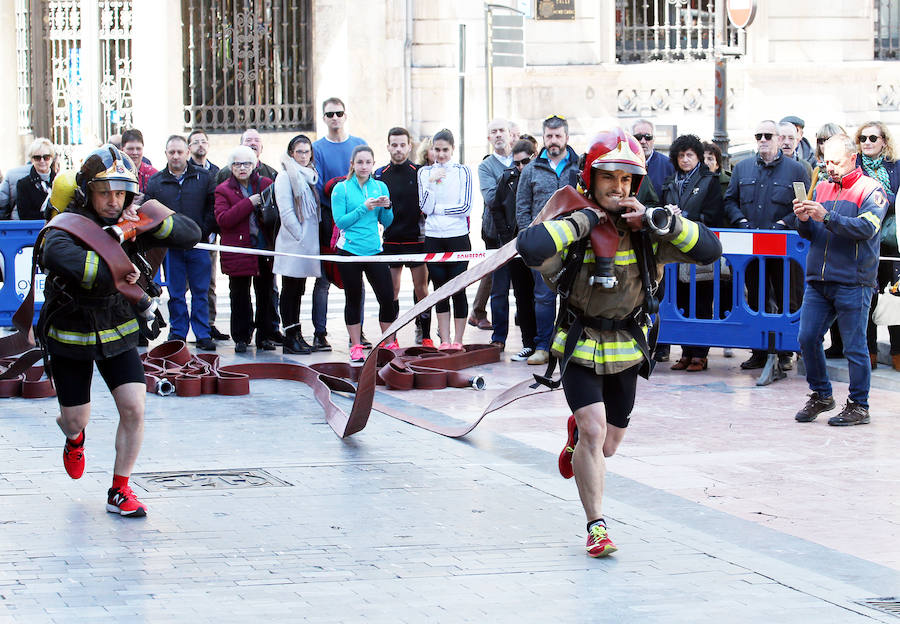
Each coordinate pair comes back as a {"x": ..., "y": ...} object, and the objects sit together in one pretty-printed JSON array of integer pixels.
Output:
[
  {"x": 445, "y": 197},
  {"x": 359, "y": 204}
]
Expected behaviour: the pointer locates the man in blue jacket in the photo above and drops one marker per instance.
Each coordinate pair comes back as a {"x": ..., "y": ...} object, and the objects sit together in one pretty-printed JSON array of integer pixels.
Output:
[
  {"x": 188, "y": 190},
  {"x": 842, "y": 225},
  {"x": 759, "y": 196}
]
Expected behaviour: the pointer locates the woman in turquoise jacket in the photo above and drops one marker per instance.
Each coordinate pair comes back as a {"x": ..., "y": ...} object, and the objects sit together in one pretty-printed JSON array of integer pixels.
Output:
[{"x": 359, "y": 204}]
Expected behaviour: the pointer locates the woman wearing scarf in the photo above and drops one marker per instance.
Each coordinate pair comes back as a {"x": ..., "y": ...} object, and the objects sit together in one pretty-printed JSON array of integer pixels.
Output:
[
  {"x": 32, "y": 190},
  {"x": 298, "y": 208},
  {"x": 698, "y": 193},
  {"x": 876, "y": 158}
]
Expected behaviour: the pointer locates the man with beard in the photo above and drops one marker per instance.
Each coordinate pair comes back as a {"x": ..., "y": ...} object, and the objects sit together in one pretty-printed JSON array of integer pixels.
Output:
[
  {"x": 600, "y": 341},
  {"x": 554, "y": 168}
]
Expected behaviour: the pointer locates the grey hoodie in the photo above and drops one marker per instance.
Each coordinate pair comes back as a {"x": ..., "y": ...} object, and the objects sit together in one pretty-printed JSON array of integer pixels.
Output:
[{"x": 538, "y": 182}]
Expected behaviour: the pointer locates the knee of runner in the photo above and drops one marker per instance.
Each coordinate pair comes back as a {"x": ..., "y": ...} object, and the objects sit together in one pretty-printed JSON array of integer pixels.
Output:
[{"x": 592, "y": 431}]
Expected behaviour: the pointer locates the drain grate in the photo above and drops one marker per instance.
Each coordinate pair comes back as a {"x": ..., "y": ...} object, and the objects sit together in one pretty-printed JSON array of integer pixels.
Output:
[
  {"x": 887, "y": 605},
  {"x": 207, "y": 480}
]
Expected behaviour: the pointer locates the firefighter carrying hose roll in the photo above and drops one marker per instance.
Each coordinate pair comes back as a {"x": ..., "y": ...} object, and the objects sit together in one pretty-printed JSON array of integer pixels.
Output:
[
  {"x": 85, "y": 319},
  {"x": 600, "y": 338}
]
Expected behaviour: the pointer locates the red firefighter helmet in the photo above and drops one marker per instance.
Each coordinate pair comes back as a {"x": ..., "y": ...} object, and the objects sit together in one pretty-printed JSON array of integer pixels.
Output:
[{"x": 612, "y": 151}]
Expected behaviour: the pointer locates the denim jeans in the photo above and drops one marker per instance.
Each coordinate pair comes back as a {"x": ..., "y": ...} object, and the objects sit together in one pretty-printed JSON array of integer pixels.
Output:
[
  {"x": 544, "y": 312},
  {"x": 189, "y": 268},
  {"x": 822, "y": 303},
  {"x": 320, "y": 305},
  {"x": 519, "y": 275}
]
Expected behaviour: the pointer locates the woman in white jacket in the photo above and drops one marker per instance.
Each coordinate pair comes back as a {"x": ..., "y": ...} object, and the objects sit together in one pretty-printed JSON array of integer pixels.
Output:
[
  {"x": 298, "y": 208},
  {"x": 445, "y": 197}
]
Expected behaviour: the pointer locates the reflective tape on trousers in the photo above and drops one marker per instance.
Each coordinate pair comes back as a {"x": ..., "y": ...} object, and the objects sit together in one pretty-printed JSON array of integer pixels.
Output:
[{"x": 448, "y": 256}]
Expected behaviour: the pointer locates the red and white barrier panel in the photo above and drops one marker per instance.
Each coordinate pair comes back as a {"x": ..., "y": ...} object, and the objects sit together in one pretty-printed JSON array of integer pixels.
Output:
[
  {"x": 753, "y": 243},
  {"x": 449, "y": 256}
]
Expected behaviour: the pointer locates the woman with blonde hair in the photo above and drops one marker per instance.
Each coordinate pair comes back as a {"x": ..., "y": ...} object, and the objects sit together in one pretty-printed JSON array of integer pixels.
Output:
[
  {"x": 876, "y": 159},
  {"x": 32, "y": 190},
  {"x": 425, "y": 152}
]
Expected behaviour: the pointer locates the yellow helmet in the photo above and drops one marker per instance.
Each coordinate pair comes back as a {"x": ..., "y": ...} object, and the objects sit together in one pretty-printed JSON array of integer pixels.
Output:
[{"x": 62, "y": 193}]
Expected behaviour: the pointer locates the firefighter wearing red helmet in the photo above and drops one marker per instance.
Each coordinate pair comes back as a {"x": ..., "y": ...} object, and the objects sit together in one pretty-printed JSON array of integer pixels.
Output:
[
  {"x": 86, "y": 320},
  {"x": 600, "y": 342}
]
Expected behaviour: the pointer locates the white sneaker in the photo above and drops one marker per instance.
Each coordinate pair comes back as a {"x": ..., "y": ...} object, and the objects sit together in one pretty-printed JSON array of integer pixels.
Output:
[
  {"x": 539, "y": 357},
  {"x": 523, "y": 355}
]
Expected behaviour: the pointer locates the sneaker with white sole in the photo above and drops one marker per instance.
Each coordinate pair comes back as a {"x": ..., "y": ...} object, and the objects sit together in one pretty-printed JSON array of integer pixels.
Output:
[
  {"x": 122, "y": 501},
  {"x": 523, "y": 355},
  {"x": 539, "y": 357},
  {"x": 598, "y": 542}
]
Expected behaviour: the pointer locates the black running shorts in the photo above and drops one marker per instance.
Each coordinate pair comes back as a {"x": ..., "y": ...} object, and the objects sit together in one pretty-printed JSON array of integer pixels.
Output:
[
  {"x": 72, "y": 378},
  {"x": 583, "y": 386}
]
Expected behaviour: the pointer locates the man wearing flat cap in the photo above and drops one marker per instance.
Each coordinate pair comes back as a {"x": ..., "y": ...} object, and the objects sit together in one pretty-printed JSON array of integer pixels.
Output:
[{"x": 804, "y": 150}]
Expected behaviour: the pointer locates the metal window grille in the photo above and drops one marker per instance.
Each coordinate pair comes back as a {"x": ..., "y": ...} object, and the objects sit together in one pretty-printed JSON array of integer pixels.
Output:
[
  {"x": 116, "y": 107},
  {"x": 247, "y": 64},
  {"x": 887, "y": 30},
  {"x": 23, "y": 68},
  {"x": 62, "y": 42},
  {"x": 667, "y": 30}
]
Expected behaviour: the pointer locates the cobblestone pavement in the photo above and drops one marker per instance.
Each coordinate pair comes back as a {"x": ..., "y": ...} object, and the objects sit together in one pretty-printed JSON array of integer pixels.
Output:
[{"x": 723, "y": 508}]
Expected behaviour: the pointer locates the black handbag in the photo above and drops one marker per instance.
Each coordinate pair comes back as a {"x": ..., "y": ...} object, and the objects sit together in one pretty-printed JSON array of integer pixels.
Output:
[{"x": 267, "y": 211}]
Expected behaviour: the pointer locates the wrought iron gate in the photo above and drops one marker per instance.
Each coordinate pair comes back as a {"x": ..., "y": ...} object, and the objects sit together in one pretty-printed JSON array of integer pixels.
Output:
[
  {"x": 246, "y": 64},
  {"x": 74, "y": 68}
]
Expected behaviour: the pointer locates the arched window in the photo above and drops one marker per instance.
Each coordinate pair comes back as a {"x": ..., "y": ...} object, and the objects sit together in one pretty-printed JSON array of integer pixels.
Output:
[{"x": 246, "y": 64}]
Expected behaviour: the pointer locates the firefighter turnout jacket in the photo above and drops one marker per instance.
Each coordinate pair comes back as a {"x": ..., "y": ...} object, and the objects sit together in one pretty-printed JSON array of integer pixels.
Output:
[
  {"x": 545, "y": 246},
  {"x": 84, "y": 317}
]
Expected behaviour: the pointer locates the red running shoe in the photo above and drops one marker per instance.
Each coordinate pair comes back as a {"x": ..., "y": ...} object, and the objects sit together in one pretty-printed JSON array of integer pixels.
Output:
[
  {"x": 73, "y": 458},
  {"x": 598, "y": 542},
  {"x": 123, "y": 502},
  {"x": 565, "y": 457}
]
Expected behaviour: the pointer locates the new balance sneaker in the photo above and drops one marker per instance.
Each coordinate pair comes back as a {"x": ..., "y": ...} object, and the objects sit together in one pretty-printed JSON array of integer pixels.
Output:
[
  {"x": 814, "y": 406},
  {"x": 565, "y": 457},
  {"x": 73, "y": 458},
  {"x": 356, "y": 353},
  {"x": 523, "y": 355},
  {"x": 598, "y": 542},
  {"x": 123, "y": 502}
]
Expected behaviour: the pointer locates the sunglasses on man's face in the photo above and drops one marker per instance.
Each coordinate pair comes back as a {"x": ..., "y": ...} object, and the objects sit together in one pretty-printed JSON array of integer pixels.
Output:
[
  {"x": 870, "y": 137},
  {"x": 331, "y": 114},
  {"x": 44, "y": 157},
  {"x": 644, "y": 137},
  {"x": 821, "y": 140},
  {"x": 763, "y": 135},
  {"x": 523, "y": 162}
]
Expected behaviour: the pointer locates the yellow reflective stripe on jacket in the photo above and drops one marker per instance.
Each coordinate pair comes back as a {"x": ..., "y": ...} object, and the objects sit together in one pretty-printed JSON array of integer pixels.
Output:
[
  {"x": 562, "y": 233},
  {"x": 690, "y": 234},
  {"x": 165, "y": 228},
  {"x": 872, "y": 218},
  {"x": 600, "y": 353},
  {"x": 67, "y": 336},
  {"x": 626, "y": 257},
  {"x": 91, "y": 262}
]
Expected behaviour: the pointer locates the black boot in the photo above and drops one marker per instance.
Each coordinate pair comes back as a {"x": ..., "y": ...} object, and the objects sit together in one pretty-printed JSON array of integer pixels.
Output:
[{"x": 293, "y": 341}]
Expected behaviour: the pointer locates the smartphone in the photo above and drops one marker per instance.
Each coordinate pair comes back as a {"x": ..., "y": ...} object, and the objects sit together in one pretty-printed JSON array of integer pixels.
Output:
[{"x": 800, "y": 191}]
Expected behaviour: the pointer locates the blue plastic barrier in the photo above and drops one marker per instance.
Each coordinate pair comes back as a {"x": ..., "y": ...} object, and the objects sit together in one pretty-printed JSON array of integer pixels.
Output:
[
  {"x": 742, "y": 326},
  {"x": 16, "y": 239}
]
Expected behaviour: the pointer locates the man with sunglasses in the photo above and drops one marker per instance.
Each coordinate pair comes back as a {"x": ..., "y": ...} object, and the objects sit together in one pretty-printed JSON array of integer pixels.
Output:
[
  {"x": 659, "y": 167},
  {"x": 554, "y": 168},
  {"x": 759, "y": 197},
  {"x": 332, "y": 154}
]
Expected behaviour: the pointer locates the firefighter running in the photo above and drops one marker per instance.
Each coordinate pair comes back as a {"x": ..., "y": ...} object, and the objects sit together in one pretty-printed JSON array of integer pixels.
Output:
[
  {"x": 86, "y": 320},
  {"x": 600, "y": 338}
]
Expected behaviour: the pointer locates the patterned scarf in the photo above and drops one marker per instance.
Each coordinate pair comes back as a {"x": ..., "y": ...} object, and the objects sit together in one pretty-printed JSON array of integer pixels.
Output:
[{"x": 874, "y": 168}]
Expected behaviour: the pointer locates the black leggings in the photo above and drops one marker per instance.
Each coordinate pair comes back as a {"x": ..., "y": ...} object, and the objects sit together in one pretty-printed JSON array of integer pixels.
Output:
[
  {"x": 582, "y": 386},
  {"x": 292, "y": 288},
  {"x": 379, "y": 276},
  {"x": 72, "y": 378},
  {"x": 442, "y": 272}
]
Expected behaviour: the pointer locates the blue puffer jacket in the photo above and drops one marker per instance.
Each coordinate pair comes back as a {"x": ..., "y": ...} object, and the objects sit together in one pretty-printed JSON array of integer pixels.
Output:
[
  {"x": 845, "y": 249},
  {"x": 762, "y": 192}
]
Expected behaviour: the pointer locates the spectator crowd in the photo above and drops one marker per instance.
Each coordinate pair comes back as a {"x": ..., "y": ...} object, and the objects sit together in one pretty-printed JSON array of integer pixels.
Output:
[{"x": 331, "y": 196}]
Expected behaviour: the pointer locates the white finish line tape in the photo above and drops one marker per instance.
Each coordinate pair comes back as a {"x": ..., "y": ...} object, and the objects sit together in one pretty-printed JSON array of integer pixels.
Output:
[{"x": 449, "y": 256}]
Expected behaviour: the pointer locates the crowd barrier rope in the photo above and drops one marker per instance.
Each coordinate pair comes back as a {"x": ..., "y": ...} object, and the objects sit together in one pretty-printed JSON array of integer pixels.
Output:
[{"x": 741, "y": 319}]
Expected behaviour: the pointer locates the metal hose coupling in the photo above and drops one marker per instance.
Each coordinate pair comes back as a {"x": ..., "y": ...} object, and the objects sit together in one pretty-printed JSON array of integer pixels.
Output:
[
  {"x": 604, "y": 273},
  {"x": 164, "y": 387},
  {"x": 660, "y": 219},
  {"x": 478, "y": 382}
]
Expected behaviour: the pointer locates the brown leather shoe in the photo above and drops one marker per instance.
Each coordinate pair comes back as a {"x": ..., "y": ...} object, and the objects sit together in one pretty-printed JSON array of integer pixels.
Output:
[
  {"x": 485, "y": 324},
  {"x": 873, "y": 357},
  {"x": 895, "y": 360},
  {"x": 681, "y": 364},
  {"x": 697, "y": 364}
]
